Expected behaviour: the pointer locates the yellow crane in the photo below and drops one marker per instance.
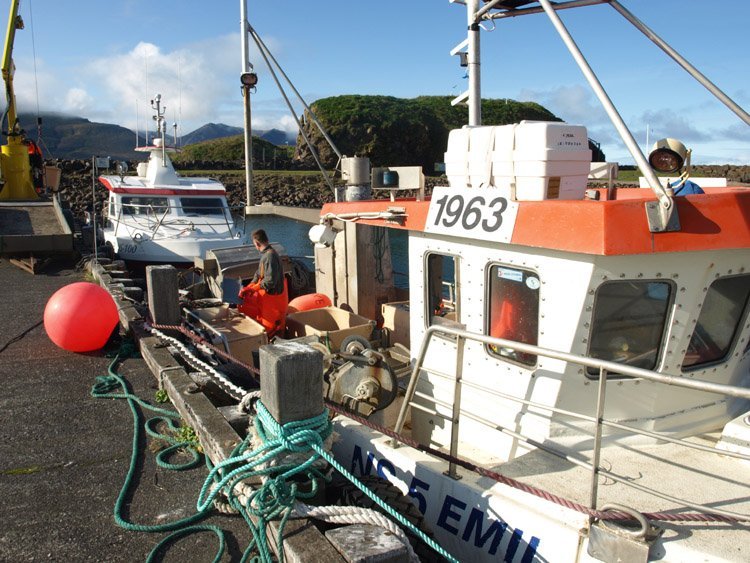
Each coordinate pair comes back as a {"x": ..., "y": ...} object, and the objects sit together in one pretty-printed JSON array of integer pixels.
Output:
[{"x": 15, "y": 168}]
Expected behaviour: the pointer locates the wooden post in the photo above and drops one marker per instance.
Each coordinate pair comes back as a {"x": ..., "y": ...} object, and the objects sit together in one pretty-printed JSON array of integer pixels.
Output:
[
  {"x": 291, "y": 381},
  {"x": 163, "y": 297}
]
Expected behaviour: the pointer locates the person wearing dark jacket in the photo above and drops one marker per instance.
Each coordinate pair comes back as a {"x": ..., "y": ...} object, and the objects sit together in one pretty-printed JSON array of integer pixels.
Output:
[
  {"x": 265, "y": 298},
  {"x": 270, "y": 274}
]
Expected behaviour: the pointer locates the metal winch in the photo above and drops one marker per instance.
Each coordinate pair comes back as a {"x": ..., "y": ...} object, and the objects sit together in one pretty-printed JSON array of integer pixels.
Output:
[{"x": 359, "y": 378}]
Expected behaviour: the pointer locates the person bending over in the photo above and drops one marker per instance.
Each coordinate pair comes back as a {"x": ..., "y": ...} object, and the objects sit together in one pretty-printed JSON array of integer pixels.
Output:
[{"x": 265, "y": 298}]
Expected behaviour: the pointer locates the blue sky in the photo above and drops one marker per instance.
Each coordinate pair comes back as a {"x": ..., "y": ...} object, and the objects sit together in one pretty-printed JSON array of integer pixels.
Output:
[{"x": 105, "y": 59}]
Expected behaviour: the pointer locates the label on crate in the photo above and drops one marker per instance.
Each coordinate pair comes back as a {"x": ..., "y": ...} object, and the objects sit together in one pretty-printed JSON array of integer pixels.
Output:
[{"x": 481, "y": 213}]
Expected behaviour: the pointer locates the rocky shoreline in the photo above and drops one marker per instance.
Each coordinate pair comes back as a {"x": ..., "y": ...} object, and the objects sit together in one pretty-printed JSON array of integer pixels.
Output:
[{"x": 292, "y": 189}]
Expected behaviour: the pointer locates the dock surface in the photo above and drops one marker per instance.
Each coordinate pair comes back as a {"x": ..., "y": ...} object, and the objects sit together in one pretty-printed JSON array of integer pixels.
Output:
[{"x": 64, "y": 454}]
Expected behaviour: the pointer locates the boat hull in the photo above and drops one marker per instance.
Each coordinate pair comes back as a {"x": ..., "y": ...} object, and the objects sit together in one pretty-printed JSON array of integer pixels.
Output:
[{"x": 168, "y": 251}]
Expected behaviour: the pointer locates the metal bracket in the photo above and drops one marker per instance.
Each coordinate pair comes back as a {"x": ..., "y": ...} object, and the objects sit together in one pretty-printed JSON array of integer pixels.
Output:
[
  {"x": 662, "y": 219},
  {"x": 620, "y": 542}
]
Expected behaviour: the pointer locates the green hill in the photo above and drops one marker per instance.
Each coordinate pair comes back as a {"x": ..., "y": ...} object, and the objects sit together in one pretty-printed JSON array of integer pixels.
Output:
[
  {"x": 65, "y": 136},
  {"x": 400, "y": 131},
  {"x": 232, "y": 150}
]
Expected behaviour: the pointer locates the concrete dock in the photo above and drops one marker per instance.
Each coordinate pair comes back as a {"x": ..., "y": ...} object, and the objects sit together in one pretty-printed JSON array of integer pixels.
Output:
[{"x": 64, "y": 454}]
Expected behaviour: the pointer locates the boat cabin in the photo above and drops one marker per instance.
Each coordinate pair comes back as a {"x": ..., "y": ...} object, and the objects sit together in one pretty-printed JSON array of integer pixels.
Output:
[
  {"x": 543, "y": 260},
  {"x": 158, "y": 216}
]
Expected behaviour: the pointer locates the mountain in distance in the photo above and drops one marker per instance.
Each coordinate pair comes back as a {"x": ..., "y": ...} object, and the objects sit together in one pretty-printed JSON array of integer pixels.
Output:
[
  {"x": 210, "y": 131},
  {"x": 72, "y": 137},
  {"x": 277, "y": 137}
]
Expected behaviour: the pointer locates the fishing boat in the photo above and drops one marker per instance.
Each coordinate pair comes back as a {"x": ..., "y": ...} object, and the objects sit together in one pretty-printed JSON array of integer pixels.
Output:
[
  {"x": 568, "y": 377},
  {"x": 160, "y": 217}
]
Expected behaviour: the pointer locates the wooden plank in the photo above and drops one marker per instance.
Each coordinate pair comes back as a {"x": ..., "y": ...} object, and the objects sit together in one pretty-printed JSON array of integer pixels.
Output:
[
  {"x": 303, "y": 542},
  {"x": 304, "y": 214},
  {"x": 217, "y": 437}
]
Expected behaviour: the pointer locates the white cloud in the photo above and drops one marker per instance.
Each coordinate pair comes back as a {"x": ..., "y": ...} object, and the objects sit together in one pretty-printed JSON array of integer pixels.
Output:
[
  {"x": 77, "y": 101},
  {"x": 193, "y": 82},
  {"x": 199, "y": 83}
]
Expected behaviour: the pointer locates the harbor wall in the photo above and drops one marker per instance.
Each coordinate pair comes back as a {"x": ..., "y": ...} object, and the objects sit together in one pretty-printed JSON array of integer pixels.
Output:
[{"x": 300, "y": 189}]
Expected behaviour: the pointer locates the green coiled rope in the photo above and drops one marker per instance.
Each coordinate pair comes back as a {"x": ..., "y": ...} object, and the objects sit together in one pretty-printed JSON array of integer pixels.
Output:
[
  {"x": 275, "y": 497},
  {"x": 105, "y": 387},
  {"x": 277, "y": 494}
]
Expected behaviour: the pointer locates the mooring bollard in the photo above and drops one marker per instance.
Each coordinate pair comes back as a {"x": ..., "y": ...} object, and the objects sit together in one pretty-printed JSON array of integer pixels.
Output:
[
  {"x": 163, "y": 297},
  {"x": 291, "y": 387},
  {"x": 291, "y": 381}
]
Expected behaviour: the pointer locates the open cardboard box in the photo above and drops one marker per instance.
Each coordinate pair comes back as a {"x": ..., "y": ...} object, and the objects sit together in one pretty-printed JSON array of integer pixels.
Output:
[
  {"x": 239, "y": 335},
  {"x": 330, "y": 324}
]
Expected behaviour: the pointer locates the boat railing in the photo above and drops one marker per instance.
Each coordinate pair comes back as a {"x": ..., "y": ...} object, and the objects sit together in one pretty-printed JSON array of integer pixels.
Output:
[
  {"x": 156, "y": 215},
  {"x": 456, "y": 413}
]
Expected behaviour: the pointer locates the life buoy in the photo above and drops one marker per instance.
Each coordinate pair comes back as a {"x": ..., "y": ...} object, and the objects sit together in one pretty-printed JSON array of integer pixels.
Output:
[{"x": 308, "y": 302}]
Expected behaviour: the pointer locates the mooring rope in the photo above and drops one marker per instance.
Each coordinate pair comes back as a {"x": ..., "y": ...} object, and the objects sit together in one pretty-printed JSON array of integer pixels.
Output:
[
  {"x": 279, "y": 493},
  {"x": 106, "y": 387},
  {"x": 234, "y": 391}
]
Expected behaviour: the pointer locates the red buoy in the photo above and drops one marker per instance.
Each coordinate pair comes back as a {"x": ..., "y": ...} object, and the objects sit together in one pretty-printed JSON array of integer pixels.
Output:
[
  {"x": 309, "y": 302},
  {"x": 80, "y": 317}
]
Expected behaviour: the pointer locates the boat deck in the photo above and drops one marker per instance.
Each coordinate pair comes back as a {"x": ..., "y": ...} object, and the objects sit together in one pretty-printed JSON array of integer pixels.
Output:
[{"x": 715, "y": 481}]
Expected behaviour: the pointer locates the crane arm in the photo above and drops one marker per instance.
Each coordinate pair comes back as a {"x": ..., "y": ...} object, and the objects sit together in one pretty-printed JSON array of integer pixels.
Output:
[{"x": 14, "y": 22}]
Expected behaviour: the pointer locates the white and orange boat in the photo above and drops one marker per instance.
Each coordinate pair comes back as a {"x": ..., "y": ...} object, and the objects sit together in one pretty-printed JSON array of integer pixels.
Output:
[
  {"x": 160, "y": 217},
  {"x": 573, "y": 362}
]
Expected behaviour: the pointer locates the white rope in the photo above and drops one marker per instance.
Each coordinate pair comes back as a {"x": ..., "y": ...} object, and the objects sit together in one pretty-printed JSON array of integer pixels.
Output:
[
  {"x": 353, "y": 515},
  {"x": 234, "y": 391}
]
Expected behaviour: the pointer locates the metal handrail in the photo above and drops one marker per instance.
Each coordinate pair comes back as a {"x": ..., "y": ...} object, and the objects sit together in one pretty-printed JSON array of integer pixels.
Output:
[
  {"x": 121, "y": 217},
  {"x": 604, "y": 366},
  {"x": 571, "y": 414}
]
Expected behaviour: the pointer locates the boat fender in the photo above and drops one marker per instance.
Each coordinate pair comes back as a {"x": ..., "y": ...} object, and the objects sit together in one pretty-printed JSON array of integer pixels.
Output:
[{"x": 308, "y": 302}]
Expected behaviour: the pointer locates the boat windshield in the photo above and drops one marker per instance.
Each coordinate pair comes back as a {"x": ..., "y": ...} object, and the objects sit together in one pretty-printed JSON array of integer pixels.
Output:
[
  {"x": 513, "y": 310},
  {"x": 202, "y": 205},
  {"x": 719, "y": 320},
  {"x": 140, "y": 205}
]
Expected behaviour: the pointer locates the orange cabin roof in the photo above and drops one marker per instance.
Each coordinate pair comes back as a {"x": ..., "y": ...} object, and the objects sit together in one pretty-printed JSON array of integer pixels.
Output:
[{"x": 718, "y": 219}]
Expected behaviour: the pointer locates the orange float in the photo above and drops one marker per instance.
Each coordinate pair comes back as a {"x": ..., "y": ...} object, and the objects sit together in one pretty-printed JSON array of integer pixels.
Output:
[
  {"x": 80, "y": 317},
  {"x": 309, "y": 302}
]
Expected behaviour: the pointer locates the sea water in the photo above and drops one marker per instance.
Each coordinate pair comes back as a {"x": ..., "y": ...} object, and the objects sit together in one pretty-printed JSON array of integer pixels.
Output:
[{"x": 292, "y": 235}]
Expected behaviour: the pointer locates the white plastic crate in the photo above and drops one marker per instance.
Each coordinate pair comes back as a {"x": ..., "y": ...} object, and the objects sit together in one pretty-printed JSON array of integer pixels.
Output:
[
  {"x": 544, "y": 160},
  {"x": 457, "y": 158}
]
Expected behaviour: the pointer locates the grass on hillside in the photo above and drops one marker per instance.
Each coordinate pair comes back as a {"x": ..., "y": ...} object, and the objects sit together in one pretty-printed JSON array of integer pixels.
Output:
[{"x": 633, "y": 175}]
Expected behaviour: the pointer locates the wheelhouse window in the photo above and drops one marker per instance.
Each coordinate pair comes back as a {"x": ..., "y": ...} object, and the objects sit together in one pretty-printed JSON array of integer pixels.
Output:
[
  {"x": 719, "y": 321},
  {"x": 441, "y": 298},
  {"x": 202, "y": 205},
  {"x": 629, "y": 321},
  {"x": 513, "y": 302},
  {"x": 132, "y": 205}
]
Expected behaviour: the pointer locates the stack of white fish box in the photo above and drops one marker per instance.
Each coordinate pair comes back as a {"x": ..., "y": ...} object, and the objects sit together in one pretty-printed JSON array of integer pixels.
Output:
[{"x": 535, "y": 160}]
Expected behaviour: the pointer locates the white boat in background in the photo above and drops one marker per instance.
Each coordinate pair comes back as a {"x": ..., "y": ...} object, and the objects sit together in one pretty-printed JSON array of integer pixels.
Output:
[{"x": 160, "y": 217}]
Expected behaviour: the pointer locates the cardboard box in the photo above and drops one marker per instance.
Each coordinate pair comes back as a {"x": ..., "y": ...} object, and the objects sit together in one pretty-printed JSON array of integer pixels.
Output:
[
  {"x": 396, "y": 320},
  {"x": 331, "y": 324},
  {"x": 239, "y": 335}
]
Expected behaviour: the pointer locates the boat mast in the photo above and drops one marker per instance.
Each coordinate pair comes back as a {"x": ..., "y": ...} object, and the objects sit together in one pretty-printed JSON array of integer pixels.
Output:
[
  {"x": 473, "y": 59},
  {"x": 161, "y": 125},
  {"x": 246, "y": 85}
]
